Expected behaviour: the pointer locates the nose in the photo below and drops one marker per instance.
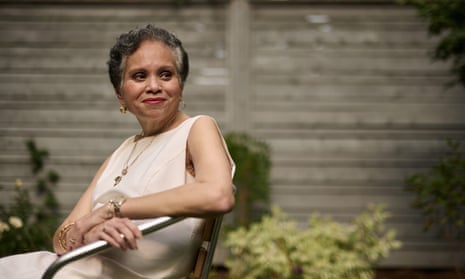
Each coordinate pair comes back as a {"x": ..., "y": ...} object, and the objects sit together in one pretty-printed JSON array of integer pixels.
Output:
[{"x": 153, "y": 85}]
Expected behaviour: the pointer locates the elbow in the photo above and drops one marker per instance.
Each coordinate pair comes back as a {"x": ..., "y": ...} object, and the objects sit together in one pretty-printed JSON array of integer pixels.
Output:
[
  {"x": 228, "y": 204},
  {"x": 223, "y": 202}
]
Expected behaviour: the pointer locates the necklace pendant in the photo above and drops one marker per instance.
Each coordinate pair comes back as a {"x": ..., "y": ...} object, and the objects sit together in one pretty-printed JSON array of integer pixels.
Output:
[{"x": 117, "y": 180}]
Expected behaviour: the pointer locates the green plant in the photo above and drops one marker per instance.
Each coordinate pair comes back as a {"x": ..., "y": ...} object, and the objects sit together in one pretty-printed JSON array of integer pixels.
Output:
[
  {"x": 29, "y": 222},
  {"x": 440, "y": 193},
  {"x": 252, "y": 158},
  {"x": 277, "y": 248},
  {"x": 446, "y": 19}
]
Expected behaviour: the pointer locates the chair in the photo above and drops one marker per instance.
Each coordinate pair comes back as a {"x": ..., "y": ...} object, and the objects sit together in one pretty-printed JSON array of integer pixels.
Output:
[
  {"x": 204, "y": 257},
  {"x": 207, "y": 249}
]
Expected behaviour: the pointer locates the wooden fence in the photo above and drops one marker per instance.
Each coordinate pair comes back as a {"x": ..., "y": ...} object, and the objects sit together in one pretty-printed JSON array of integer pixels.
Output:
[{"x": 344, "y": 92}]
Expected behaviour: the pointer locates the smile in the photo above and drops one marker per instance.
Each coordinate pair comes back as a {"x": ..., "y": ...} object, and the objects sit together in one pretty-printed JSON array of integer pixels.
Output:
[{"x": 154, "y": 101}]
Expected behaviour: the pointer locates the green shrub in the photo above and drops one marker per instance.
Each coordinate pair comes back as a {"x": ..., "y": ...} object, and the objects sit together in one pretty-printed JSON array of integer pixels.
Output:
[
  {"x": 440, "y": 193},
  {"x": 29, "y": 222},
  {"x": 277, "y": 248},
  {"x": 446, "y": 19},
  {"x": 252, "y": 158}
]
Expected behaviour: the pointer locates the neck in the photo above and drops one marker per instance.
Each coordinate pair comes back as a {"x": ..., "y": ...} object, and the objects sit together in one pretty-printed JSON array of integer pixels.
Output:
[{"x": 153, "y": 128}]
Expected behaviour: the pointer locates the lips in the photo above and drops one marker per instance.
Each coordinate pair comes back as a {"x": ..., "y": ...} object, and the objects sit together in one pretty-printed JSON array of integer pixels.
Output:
[{"x": 154, "y": 101}]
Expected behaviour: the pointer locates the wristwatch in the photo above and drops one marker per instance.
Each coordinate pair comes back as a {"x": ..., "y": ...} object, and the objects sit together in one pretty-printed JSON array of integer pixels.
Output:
[{"x": 117, "y": 206}]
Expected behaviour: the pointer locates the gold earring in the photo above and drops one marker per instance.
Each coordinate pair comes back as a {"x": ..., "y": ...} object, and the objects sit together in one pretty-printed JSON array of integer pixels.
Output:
[{"x": 123, "y": 109}]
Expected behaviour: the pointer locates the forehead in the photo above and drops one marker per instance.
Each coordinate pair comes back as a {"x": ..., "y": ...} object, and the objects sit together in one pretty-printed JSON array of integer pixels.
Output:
[{"x": 151, "y": 53}]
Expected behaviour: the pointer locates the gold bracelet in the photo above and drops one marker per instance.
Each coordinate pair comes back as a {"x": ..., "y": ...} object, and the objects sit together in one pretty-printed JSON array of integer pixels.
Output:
[{"x": 62, "y": 236}]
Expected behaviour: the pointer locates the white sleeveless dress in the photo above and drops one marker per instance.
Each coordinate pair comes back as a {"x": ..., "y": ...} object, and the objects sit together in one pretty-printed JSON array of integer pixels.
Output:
[{"x": 168, "y": 253}]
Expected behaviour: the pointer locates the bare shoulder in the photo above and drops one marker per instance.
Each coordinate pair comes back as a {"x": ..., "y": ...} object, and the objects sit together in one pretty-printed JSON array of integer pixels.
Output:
[
  {"x": 204, "y": 130},
  {"x": 204, "y": 123},
  {"x": 206, "y": 119},
  {"x": 207, "y": 148}
]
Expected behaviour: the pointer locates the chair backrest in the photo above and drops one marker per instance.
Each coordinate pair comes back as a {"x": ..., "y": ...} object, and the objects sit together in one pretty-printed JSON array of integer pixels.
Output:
[{"x": 210, "y": 236}]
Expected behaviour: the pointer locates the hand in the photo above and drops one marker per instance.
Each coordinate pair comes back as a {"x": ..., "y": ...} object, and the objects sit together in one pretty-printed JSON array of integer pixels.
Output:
[
  {"x": 118, "y": 232},
  {"x": 75, "y": 236}
]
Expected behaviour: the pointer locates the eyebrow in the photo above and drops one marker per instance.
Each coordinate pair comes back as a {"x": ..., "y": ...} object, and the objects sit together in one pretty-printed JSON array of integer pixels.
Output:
[{"x": 162, "y": 67}]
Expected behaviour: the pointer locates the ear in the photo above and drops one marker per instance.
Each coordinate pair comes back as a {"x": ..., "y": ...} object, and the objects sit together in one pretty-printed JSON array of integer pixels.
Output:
[{"x": 119, "y": 95}]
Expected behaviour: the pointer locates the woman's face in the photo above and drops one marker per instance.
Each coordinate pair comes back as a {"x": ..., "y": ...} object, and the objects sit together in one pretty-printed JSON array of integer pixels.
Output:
[{"x": 151, "y": 88}]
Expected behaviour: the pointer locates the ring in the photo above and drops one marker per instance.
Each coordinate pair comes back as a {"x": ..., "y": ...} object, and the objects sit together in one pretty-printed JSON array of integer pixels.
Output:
[
  {"x": 122, "y": 236},
  {"x": 72, "y": 240}
]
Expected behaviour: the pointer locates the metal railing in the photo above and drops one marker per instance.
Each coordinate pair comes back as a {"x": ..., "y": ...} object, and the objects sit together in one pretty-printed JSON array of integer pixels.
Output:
[{"x": 101, "y": 245}]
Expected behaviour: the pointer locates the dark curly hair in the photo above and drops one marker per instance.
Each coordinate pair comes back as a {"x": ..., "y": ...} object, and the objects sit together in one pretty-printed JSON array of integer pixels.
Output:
[{"x": 129, "y": 42}]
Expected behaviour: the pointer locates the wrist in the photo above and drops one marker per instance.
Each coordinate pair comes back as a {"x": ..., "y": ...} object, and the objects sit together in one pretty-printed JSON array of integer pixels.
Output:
[
  {"x": 115, "y": 207},
  {"x": 62, "y": 237}
]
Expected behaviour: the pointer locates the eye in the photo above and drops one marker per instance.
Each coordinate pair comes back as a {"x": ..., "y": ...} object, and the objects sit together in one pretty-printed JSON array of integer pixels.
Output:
[
  {"x": 166, "y": 75},
  {"x": 139, "y": 76}
]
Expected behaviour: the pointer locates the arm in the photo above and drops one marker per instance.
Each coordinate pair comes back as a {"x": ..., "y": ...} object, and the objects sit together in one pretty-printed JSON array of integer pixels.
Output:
[
  {"x": 82, "y": 221},
  {"x": 83, "y": 207},
  {"x": 211, "y": 192}
]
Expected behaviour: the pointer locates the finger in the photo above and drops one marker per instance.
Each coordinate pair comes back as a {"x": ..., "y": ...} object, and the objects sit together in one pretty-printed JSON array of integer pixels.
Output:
[
  {"x": 104, "y": 235},
  {"x": 121, "y": 239},
  {"x": 133, "y": 227},
  {"x": 126, "y": 236},
  {"x": 110, "y": 240},
  {"x": 123, "y": 231},
  {"x": 114, "y": 237},
  {"x": 125, "y": 240},
  {"x": 129, "y": 232},
  {"x": 129, "y": 237},
  {"x": 74, "y": 241},
  {"x": 74, "y": 237}
]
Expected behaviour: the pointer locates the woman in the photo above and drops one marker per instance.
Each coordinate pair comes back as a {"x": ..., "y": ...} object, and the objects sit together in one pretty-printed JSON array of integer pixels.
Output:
[{"x": 177, "y": 166}]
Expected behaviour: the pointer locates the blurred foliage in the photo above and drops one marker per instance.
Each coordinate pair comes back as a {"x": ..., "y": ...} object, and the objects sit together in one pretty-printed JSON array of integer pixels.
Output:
[
  {"x": 440, "y": 193},
  {"x": 29, "y": 223},
  {"x": 252, "y": 158},
  {"x": 277, "y": 248},
  {"x": 446, "y": 19}
]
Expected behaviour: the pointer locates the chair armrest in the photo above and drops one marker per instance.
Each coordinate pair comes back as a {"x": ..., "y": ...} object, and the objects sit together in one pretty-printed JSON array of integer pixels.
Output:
[{"x": 101, "y": 245}]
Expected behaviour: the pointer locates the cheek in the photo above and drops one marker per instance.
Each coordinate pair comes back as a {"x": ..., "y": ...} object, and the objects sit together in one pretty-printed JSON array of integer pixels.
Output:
[
  {"x": 174, "y": 89},
  {"x": 129, "y": 88}
]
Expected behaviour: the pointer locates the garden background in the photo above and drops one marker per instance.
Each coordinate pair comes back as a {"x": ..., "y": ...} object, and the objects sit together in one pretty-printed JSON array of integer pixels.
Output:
[{"x": 344, "y": 92}]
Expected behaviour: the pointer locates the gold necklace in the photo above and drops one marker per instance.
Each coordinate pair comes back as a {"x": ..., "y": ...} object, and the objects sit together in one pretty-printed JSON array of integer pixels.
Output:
[{"x": 124, "y": 171}]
